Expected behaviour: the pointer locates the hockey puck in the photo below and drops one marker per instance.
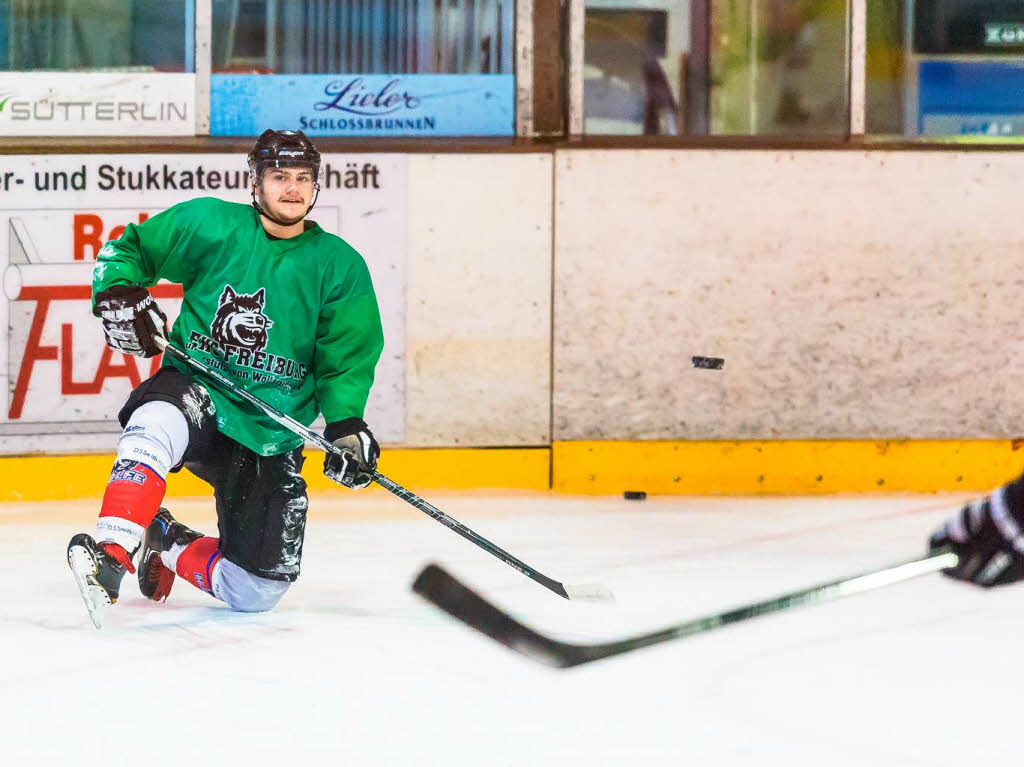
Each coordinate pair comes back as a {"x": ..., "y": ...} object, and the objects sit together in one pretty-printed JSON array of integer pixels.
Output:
[
  {"x": 708, "y": 363},
  {"x": 634, "y": 495}
]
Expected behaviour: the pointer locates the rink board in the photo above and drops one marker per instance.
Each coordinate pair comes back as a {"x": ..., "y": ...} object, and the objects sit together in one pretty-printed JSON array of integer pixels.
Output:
[
  {"x": 38, "y": 478},
  {"x": 805, "y": 467}
]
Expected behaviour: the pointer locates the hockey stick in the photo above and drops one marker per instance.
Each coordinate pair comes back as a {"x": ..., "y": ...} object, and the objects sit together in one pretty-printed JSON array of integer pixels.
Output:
[
  {"x": 579, "y": 592},
  {"x": 440, "y": 587}
]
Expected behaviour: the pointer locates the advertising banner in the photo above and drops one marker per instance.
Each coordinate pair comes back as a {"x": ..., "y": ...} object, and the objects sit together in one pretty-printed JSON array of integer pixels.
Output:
[
  {"x": 63, "y": 386},
  {"x": 97, "y": 104},
  {"x": 364, "y": 105},
  {"x": 970, "y": 98}
]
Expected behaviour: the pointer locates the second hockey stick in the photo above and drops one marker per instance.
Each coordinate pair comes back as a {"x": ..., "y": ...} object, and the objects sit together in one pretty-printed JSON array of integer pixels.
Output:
[
  {"x": 445, "y": 591},
  {"x": 568, "y": 591}
]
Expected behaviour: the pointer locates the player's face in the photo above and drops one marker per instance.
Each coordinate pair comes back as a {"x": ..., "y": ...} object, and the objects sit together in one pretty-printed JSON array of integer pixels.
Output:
[{"x": 286, "y": 193}]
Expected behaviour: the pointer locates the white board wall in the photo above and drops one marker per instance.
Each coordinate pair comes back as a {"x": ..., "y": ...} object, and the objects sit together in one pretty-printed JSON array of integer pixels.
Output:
[
  {"x": 852, "y": 294},
  {"x": 478, "y": 334}
]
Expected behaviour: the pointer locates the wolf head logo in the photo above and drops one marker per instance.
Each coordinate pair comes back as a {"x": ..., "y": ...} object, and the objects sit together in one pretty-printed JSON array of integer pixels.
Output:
[{"x": 240, "y": 320}]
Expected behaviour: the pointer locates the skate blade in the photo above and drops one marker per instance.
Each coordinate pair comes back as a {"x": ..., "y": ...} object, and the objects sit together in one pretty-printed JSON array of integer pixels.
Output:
[{"x": 96, "y": 599}]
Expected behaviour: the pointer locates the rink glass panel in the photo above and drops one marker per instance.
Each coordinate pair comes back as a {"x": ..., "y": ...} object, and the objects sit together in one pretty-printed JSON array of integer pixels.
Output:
[
  {"x": 373, "y": 37},
  {"x": 634, "y": 63},
  {"x": 945, "y": 69},
  {"x": 69, "y": 36},
  {"x": 378, "y": 68},
  {"x": 964, "y": 69},
  {"x": 779, "y": 68},
  {"x": 773, "y": 68}
]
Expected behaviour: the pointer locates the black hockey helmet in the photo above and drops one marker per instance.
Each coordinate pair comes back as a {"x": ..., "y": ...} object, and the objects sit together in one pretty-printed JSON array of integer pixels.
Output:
[{"x": 282, "y": 149}]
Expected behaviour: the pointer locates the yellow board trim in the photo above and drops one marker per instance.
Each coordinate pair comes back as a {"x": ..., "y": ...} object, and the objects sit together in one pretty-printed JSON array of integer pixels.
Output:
[
  {"x": 64, "y": 477},
  {"x": 784, "y": 467}
]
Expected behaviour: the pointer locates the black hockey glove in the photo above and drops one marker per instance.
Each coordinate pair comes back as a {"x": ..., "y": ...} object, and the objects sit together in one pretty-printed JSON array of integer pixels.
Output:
[
  {"x": 988, "y": 537},
  {"x": 353, "y": 466},
  {"x": 127, "y": 320}
]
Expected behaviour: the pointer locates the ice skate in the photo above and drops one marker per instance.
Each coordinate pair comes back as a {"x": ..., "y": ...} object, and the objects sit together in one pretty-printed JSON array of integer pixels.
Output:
[
  {"x": 155, "y": 578},
  {"x": 98, "y": 572}
]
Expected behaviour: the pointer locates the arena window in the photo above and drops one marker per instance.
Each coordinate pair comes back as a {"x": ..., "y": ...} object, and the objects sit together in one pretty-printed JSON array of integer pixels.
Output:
[{"x": 378, "y": 68}]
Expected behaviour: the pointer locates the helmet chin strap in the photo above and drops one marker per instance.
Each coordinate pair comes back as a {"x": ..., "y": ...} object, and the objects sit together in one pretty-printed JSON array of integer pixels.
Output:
[{"x": 282, "y": 222}]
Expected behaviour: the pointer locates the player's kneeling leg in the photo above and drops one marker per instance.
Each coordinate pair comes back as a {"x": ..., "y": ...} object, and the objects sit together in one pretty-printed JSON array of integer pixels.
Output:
[
  {"x": 153, "y": 442},
  {"x": 261, "y": 513},
  {"x": 202, "y": 564},
  {"x": 244, "y": 591},
  {"x": 261, "y": 518}
]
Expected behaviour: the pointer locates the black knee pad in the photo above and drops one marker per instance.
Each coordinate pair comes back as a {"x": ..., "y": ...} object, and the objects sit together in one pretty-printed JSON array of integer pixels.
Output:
[{"x": 261, "y": 512}]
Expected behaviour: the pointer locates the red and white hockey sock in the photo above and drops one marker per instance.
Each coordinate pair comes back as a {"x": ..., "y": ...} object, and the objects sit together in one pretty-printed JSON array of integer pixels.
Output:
[
  {"x": 153, "y": 441},
  {"x": 132, "y": 499},
  {"x": 196, "y": 563}
]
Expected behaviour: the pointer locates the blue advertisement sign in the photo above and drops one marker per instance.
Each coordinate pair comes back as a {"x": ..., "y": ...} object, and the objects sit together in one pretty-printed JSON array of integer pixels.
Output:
[
  {"x": 970, "y": 98},
  {"x": 364, "y": 105}
]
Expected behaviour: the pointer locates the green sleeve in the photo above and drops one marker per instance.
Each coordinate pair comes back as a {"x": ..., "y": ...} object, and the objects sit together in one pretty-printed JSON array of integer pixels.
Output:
[
  {"x": 349, "y": 340},
  {"x": 146, "y": 252}
]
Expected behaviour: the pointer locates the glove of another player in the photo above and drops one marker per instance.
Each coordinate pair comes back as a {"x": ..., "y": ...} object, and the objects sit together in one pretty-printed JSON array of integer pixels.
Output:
[
  {"x": 987, "y": 537},
  {"x": 127, "y": 314},
  {"x": 353, "y": 466}
]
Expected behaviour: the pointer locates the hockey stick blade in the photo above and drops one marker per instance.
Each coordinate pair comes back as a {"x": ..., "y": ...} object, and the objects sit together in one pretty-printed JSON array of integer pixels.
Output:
[
  {"x": 438, "y": 586},
  {"x": 451, "y": 595}
]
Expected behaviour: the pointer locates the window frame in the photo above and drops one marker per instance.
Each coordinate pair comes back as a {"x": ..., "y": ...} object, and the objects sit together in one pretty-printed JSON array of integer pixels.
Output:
[{"x": 855, "y": 76}]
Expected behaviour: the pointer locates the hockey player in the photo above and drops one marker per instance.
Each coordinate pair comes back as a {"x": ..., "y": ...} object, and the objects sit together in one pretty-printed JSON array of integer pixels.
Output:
[
  {"x": 988, "y": 537},
  {"x": 289, "y": 312}
]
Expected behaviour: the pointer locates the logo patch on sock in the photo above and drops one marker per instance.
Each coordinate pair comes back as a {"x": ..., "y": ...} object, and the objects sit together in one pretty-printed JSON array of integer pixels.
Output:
[
  {"x": 133, "y": 493},
  {"x": 127, "y": 471}
]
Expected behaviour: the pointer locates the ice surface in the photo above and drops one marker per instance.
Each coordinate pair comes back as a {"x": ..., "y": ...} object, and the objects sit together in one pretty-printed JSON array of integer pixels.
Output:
[{"x": 352, "y": 669}]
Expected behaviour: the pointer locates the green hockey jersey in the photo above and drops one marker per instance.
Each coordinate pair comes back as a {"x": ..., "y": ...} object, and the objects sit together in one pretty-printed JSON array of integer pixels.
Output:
[{"x": 294, "y": 321}]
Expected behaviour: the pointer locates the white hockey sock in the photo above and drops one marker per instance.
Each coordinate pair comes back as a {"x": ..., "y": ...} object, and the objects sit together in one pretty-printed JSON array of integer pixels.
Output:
[
  {"x": 156, "y": 435},
  {"x": 170, "y": 557}
]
